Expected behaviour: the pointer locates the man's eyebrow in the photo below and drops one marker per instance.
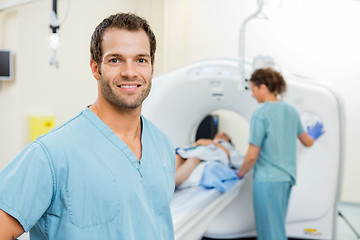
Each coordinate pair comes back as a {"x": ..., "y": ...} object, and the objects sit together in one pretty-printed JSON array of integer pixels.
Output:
[
  {"x": 120, "y": 55},
  {"x": 143, "y": 55},
  {"x": 113, "y": 55}
]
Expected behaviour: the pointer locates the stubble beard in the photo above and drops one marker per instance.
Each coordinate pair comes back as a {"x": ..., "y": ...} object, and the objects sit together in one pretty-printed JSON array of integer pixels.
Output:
[{"x": 122, "y": 101}]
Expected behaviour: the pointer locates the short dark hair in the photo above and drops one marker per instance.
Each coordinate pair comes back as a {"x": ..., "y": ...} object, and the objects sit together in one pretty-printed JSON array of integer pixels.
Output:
[
  {"x": 272, "y": 79},
  {"x": 126, "y": 21}
]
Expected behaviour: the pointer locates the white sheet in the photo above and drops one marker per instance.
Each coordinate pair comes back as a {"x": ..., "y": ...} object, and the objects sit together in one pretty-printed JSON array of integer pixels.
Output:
[{"x": 193, "y": 208}]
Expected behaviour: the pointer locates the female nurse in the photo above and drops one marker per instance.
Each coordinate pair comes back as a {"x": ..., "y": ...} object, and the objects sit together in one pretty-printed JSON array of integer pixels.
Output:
[{"x": 274, "y": 128}]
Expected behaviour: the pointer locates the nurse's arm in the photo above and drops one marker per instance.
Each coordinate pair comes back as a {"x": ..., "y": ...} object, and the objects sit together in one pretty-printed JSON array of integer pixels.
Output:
[
  {"x": 10, "y": 228},
  {"x": 306, "y": 140},
  {"x": 249, "y": 160}
]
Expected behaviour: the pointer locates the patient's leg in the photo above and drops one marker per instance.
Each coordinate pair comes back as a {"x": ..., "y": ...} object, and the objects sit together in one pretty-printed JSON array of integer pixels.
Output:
[{"x": 185, "y": 169}]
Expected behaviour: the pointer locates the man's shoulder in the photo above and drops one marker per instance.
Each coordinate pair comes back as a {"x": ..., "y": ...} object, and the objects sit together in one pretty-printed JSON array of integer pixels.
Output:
[{"x": 65, "y": 131}]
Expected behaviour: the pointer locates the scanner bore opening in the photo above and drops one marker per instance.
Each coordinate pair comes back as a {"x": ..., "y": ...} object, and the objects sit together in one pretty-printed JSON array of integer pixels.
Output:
[{"x": 230, "y": 122}]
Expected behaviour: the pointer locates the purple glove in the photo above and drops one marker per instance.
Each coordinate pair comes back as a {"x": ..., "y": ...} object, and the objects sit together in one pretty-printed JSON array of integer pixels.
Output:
[{"x": 316, "y": 131}]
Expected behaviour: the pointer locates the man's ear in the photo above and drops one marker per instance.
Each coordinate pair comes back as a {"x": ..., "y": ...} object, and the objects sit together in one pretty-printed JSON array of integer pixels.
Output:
[{"x": 95, "y": 69}]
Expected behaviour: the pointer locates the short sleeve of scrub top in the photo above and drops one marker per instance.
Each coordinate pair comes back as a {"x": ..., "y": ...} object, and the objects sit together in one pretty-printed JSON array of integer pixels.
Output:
[
  {"x": 300, "y": 127},
  {"x": 257, "y": 130},
  {"x": 26, "y": 185}
]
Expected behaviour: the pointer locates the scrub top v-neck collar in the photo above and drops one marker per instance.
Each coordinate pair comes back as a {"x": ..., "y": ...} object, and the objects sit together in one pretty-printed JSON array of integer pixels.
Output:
[{"x": 111, "y": 136}]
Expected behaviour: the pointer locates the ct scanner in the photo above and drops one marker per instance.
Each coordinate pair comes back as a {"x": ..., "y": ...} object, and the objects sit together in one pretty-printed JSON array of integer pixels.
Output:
[{"x": 180, "y": 99}]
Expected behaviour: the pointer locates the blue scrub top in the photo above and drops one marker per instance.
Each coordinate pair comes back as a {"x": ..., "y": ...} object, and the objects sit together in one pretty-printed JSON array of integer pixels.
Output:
[
  {"x": 81, "y": 181},
  {"x": 274, "y": 127}
]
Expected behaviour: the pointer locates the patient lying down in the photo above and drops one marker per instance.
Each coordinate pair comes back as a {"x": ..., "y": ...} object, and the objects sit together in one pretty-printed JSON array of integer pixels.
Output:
[{"x": 216, "y": 155}]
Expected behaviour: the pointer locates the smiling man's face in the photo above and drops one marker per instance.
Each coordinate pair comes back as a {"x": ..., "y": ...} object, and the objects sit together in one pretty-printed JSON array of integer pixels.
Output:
[{"x": 126, "y": 71}]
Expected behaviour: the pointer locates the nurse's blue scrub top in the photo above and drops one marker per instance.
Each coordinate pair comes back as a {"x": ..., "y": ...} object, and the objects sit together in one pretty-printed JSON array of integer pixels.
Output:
[
  {"x": 81, "y": 181},
  {"x": 275, "y": 127}
]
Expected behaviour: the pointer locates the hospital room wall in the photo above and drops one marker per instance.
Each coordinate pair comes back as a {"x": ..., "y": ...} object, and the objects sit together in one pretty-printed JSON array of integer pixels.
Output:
[
  {"x": 315, "y": 39},
  {"x": 310, "y": 38},
  {"x": 41, "y": 89}
]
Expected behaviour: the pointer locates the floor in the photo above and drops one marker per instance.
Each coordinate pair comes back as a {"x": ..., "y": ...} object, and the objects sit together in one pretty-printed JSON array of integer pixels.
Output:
[{"x": 351, "y": 212}]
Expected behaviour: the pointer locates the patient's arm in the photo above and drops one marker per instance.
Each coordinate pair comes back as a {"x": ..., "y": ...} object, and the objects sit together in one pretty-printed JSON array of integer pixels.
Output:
[
  {"x": 185, "y": 169},
  {"x": 203, "y": 142},
  {"x": 10, "y": 228},
  {"x": 178, "y": 161}
]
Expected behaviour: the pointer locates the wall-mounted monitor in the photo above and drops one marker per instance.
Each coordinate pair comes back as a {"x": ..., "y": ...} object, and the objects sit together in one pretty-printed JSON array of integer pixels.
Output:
[{"x": 6, "y": 64}]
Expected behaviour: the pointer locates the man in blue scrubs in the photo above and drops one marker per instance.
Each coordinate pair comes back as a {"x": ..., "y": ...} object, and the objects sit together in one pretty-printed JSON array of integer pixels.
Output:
[{"x": 108, "y": 173}]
